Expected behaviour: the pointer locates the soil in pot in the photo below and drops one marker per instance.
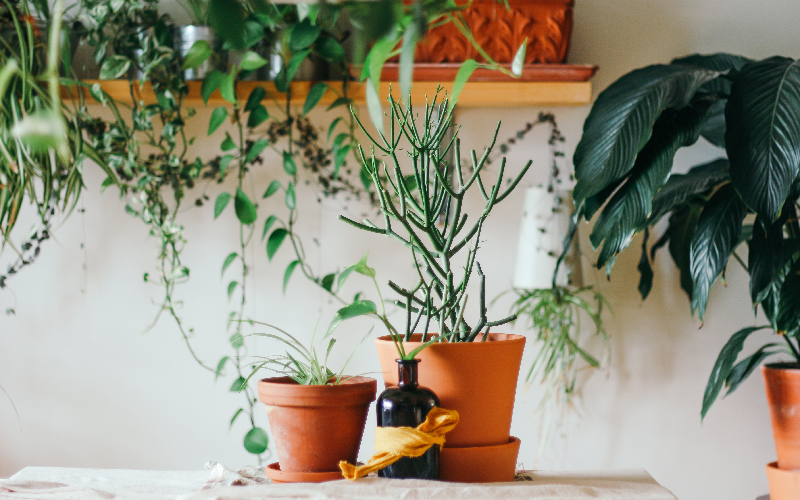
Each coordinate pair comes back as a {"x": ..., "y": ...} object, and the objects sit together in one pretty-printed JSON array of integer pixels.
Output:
[
  {"x": 477, "y": 379},
  {"x": 316, "y": 426}
]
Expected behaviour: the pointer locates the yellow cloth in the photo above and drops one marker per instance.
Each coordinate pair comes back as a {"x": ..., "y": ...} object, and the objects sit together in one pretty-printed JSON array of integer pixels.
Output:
[{"x": 394, "y": 443}]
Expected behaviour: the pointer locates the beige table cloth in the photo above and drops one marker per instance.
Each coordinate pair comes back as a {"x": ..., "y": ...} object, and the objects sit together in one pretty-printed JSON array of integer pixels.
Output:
[{"x": 56, "y": 483}]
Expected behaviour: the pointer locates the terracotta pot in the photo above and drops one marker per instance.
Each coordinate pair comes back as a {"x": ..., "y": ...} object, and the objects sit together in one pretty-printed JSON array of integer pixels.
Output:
[
  {"x": 480, "y": 464},
  {"x": 477, "y": 379},
  {"x": 783, "y": 484},
  {"x": 274, "y": 472},
  {"x": 316, "y": 426},
  {"x": 547, "y": 24},
  {"x": 783, "y": 395}
]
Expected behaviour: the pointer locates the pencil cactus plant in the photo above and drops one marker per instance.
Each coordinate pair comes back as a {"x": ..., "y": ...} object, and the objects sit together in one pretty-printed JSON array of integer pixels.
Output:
[{"x": 423, "y": 208}]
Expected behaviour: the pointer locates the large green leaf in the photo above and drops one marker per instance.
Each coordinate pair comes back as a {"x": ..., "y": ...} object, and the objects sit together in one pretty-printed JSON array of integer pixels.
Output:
[
  {"x": 682, "y": 225},
  {"x": 682, "y": 187},
  {"x": 630, "y": 207},
  {"x": 787, "y": 320},
  {"x": 763, "y": 135},
  {"x": 724, "y": 365},
  {"x": 718, "y": 231},
  {"x": 621, "y": 121},
  {"x": 245, "y": 209},
  {"x": 745, "y": 367},
  {"x": 357, "y": 308},
  {"x": 769, "y": 259}
]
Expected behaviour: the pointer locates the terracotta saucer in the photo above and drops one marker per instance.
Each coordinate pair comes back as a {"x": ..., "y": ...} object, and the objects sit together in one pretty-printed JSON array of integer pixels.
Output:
[
  {"x": 275, "y": 473},
  {"x": 480, "y": 464},
  {"x": 783, "y": 484}
]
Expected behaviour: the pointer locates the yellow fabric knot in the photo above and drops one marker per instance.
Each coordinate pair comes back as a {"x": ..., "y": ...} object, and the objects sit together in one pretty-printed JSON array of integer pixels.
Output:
[{"x": 394, "y": 443}]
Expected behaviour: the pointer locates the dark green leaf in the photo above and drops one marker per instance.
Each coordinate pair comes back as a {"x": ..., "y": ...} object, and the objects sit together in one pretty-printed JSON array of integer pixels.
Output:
[
  {"x": 256, "y": 441},
  {"x": 339, "y": 159},
  {"x": 335, "y": 122},
  {"x": 290, "y": 199},
  {"x": 274, "y": 241},
  {"x": 681, "y": 187},
  {"x": 621, "y": 121},
  {"x": 287, "y": 275},
  {"x": 288, "y": 163},
  {"x": 258, "y": 147},
  {"x": 359, "y": 308},
  {"x": 763, "y": 135},
  {"x": 220, "y": 203},
  {"x": 744, "y": 368},
  {"x": 197, "y": 55},
  {"x": 314, "y": 95},
  {"x": 245, "y": 209},
  {"x": 217, "y": 119},
  {"x": 211, "y": 83},
  {"x": 327, "y": 281},
  {"x": 724, "y": 365},
  {"x": 258, "y": 116},
  {"x": 645, "y": 270},
  {"x": 273, "y": 188},
  {"x": 631, "y": 206},
  {"x": 228, "y": 143},
  {"x": 769, "y": 259},
  {"x": 729, "y": 64},
  {"x": 682, "y": 225},
  {"x": 267, "y": 225},
  {"x": 303, "y": 35},
  {"x": 228, "y": 261},
  {"x": 717, "y": 234},
  {"x": 787, "y": 320},
  {"x": 238, "y": 384},
  {"x": 340, "y": 101},
  {"x": 227, "y": 18},
  {"x": 256, "y": 96},
  {"x": 329, "y": 49}
]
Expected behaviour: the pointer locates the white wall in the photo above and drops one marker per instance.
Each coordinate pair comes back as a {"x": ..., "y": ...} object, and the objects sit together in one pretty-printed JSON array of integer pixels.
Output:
[{"x": 93, "y": 392}]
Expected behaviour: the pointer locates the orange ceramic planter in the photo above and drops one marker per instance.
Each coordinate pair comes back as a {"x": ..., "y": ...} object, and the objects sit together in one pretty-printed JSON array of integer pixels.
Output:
[
  {"x": 783, "y": 484},
  {"x": 480, "y": 464},
  {"x": 477, "y": 379},
  {"x": 316, "y": 426},
  {"x": 783, "y": 396}
]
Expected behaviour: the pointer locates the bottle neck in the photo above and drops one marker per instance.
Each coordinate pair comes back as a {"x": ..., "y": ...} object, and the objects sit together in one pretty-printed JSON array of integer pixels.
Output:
[{"x": 407, "y": 372}]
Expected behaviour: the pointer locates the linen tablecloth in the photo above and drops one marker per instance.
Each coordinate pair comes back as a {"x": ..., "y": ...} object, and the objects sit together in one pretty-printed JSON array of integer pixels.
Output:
[{"x": 56, "y": 483}]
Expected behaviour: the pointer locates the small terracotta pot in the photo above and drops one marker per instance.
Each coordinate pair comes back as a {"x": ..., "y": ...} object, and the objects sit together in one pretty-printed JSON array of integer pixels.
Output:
[
  {"x": 316, "y": 426},
  {"x": 480, "y": 464},
  {"x": 783, "y": 395},
  {"x": 783, "y": 484},
  {"x": 477, "y": 379}
]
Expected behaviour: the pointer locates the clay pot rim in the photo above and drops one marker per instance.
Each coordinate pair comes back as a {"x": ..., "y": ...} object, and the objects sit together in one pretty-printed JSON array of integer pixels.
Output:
[
  {"x": 274, "y": 472},
  {"x": 504, "y": 338},
  {"x": 781, "y": 366},
  {"x": 283, "y": 391},
  {"x": 512, "y": 441}
]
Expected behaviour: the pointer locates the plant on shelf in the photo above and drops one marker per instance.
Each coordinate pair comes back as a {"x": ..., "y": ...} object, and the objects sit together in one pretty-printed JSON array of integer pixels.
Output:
[
  {"x": 747, "y": 197},
  {"x": 316, "y": 416}
]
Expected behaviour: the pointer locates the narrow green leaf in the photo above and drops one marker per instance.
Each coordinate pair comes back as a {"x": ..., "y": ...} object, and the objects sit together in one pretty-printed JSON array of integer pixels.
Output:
[
  {"x": 228, "y": 261},
  {"x": 645, "y": 270},
  {"x": 339, "y": 159},
  {"x": 227, "y": 87},
  {"x": 288, "y": 164},
  {"x": 332, "y": 127},
  {"x": 724, "y": 365},
  {"x": 223, "y": 163},
  {"x": 340, "y": 101},
  {"x": 252, "y": 61},
  {"x": 231, "y": 288},
  {"x": 258, "y": 116},
  {"x": 288, "y": 273},
  {"x": 235, "y": 415},
  {"x": 267, "y": 225},
  {"x": 217, "y": 118},
  {"x": 274, "y": 241},
  {"x": 407, "y": 49},
  {"x": 256, "y": 441},
  {"x": 291, "y": 201},
  {"x": 519, "y": 58},
  {"x": 258, "y": 147},
  {"x": 344, "y": 275},
  {"x": 314, "y": 96},
  {"x": 374, "y": 105},
  {"x": 273, "y": 188},
  {"x": 245, "y": 209},
  {"x": 464, "y": 72},
  {"x": 358, "y": 308},
  {"x": 197, "y": 55},
  {"x": 220, "y": 366},
  {"x": 744, "y": 368},
  {"x": 220, "y": 203}
]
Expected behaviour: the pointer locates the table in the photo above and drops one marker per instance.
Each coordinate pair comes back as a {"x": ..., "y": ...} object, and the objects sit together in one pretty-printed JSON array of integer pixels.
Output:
[{"x": 56, "y": 483}]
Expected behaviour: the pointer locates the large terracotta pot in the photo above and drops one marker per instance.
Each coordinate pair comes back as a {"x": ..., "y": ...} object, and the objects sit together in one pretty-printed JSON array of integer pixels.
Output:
[
  {"x": 316, "y": 426},
  {"x": 547, "y": 24},
  {"x": 783, "y": 395},
  {"x": 477, "y": 379}
]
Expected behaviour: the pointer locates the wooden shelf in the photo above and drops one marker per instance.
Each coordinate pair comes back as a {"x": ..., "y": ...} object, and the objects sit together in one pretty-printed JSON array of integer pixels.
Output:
[{"x": 474, "y": 94}]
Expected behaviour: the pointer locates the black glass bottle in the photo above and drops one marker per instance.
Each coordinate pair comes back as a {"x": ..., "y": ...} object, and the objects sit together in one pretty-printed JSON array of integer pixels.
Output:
[{"x": 407, "y": 405}]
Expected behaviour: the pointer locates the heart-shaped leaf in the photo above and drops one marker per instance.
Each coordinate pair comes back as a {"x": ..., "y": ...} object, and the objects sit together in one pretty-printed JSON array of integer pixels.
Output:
[
  {"x": 245, "y": 209},
  {"x": 197, "y": 55},
  {"x": 217, "y": 118}
]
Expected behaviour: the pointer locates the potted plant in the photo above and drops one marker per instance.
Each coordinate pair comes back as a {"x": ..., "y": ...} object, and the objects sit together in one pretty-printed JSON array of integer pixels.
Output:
[
  {"x": 423, "y": 208},
  {"x": 316, "y": 416},
  {"x": 749, "y": 196}
]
